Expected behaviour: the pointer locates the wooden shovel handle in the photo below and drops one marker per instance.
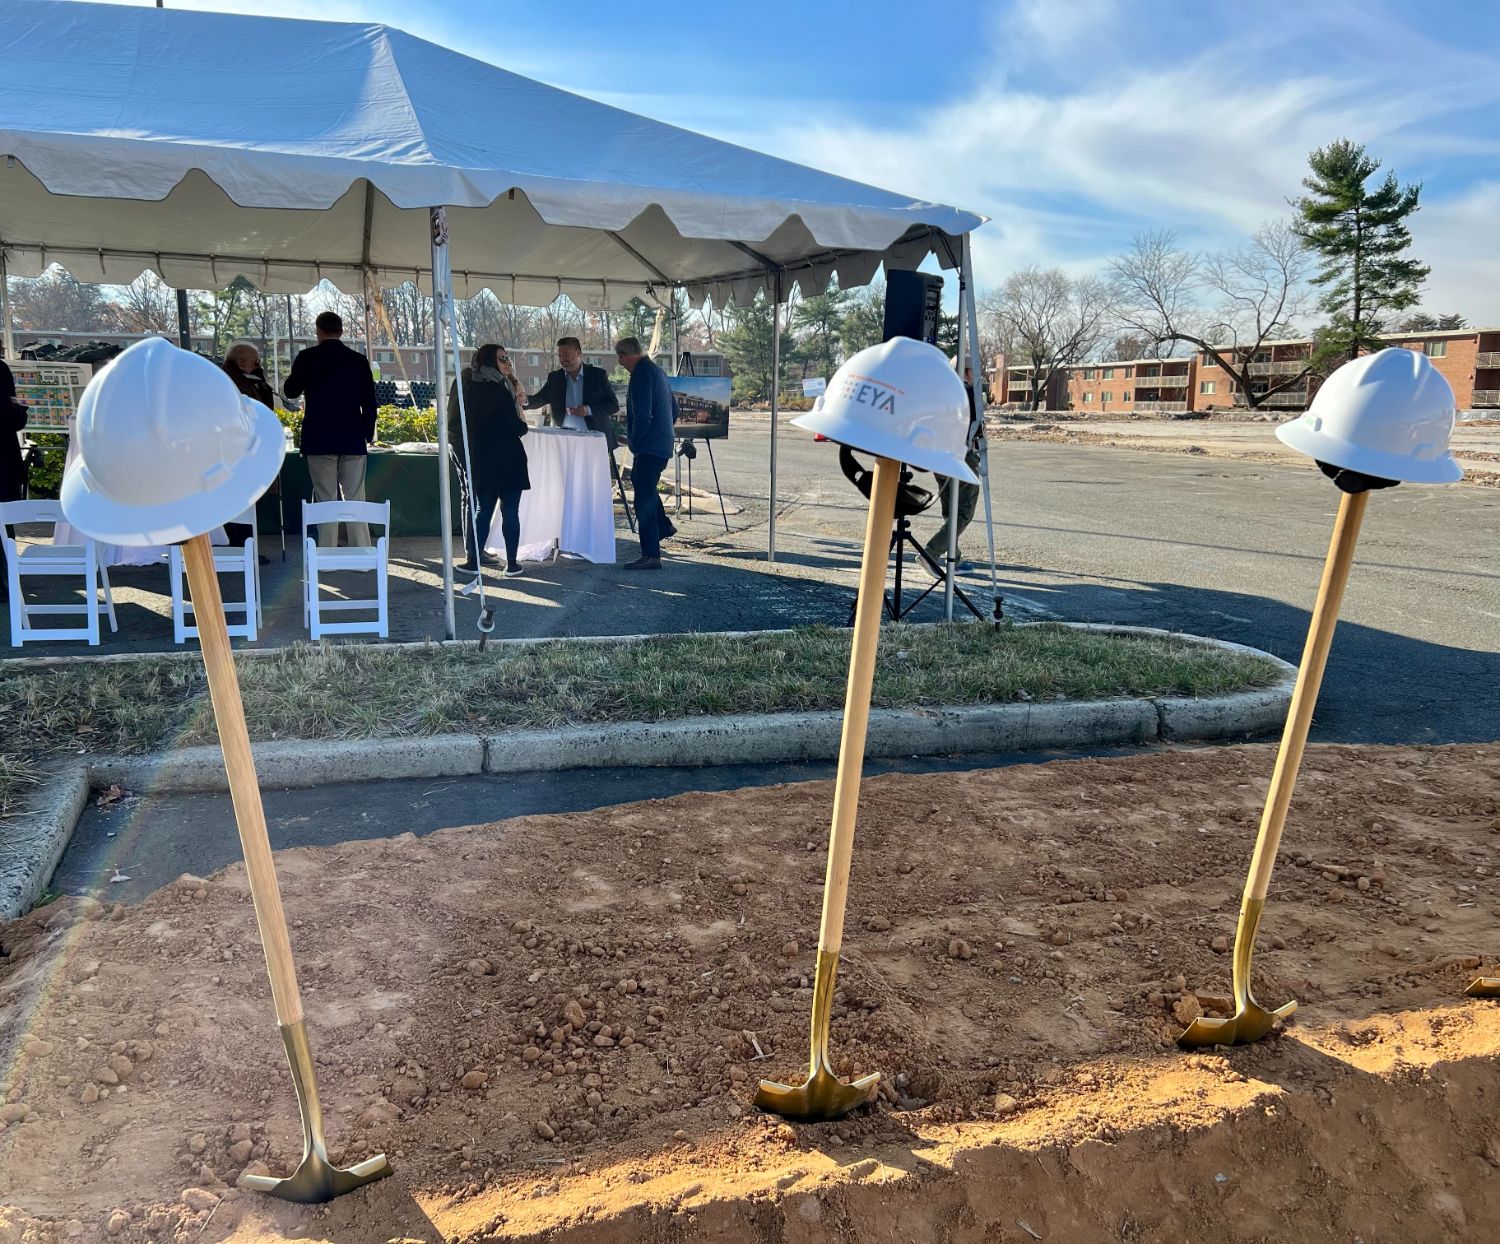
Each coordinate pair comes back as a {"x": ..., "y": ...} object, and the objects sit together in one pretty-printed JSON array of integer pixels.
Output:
[
  {"x": 867, "y": 614},
  {"x": 1325, "y": 617},
  {"x": 244, "y": 789}
]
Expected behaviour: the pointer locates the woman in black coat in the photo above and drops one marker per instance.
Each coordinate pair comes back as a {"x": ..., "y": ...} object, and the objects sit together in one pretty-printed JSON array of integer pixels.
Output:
[
  {"x": 496, "y": 456},
  {"x": 12, "y": 465}
]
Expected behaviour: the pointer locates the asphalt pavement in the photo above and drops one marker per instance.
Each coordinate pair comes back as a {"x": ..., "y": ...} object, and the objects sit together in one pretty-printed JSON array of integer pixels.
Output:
[{"x": 1228, "y": 549}]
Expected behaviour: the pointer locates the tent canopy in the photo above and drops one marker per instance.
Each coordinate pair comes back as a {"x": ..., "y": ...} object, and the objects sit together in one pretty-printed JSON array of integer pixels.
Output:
[{"x": 207, "y": 146}]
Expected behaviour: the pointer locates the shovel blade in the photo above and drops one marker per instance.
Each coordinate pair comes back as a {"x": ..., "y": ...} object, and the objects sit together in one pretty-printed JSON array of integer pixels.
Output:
[
  {"x": 822, "y": 1098},
  {"x": 317, "y": 1180},
  {"x": 1249, "y": 1024},
  {"x": 1484, "y": 987}
]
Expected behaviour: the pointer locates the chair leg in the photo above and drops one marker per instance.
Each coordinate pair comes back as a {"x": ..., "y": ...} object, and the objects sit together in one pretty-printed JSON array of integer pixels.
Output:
[
  {"x": 91, "y": 604},
  {"x": 382, "y": 595},
  {"x": 109, "y": 596},
  {"x": 17, "y": 611},
  {"x": 179, "y": 620},
  {"x": 252, "y": 610}
]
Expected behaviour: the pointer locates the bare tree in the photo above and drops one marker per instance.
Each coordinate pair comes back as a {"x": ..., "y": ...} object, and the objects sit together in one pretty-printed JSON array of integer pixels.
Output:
[
  {"x": 1048, "y": 321},
  {"x": 57, "y": 301},
  {"x": 1229, "y": 305},
  {"x": 559, "y": 319},
  {"x": 148, "y": 305},
  {"x": 1129, "y": 346}
]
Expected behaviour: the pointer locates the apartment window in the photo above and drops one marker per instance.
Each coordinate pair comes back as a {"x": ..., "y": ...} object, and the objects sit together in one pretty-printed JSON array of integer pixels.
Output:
[
  {"x": 1127, "y": 372},
  {"x": 1435, "y": 349},
  {"x": 1088, "y": 397},
  {"x": 1107, "y": 374},
  {"x": 1208, "y": 386},
  {"x": 1126, "y": 397},
  {"x": 1088, "y": 373},
  {"x": 1106, "y": 398}
]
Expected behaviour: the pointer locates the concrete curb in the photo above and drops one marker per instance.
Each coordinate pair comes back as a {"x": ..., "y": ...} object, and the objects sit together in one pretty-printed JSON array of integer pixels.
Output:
[
  {"x": 34, "y": 842},
  {"x": 29, "y": 853},
  {"x": 295, "y": 763}
]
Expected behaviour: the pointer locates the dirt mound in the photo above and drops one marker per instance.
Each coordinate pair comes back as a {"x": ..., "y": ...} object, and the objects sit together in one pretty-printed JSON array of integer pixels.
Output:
[{"x": 554, "y": 1024}]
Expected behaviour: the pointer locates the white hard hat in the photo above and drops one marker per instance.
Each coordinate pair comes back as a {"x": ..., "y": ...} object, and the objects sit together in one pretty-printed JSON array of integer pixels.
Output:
[
  {"x": 1387, "y": 414},
  {"x": 168, "y": 448},
  {"x": 900, "y": 400}
]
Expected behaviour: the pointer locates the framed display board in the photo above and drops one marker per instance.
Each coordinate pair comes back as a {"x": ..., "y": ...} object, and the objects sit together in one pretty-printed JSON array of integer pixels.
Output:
[
  {"x": 50, "y": 391},
  {"x": 702, "y": 407}
]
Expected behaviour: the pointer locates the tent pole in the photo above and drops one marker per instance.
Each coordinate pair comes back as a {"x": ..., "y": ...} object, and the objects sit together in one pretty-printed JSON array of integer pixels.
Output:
[
  {"x": 442, "y": 296},
  {"x": 7, "y": 334},
  {"x": 981, "y": 441},
  {"x": 775, "y": 397},
  {"x": 369, "y": 340},
  {"x": 184, "y": 330},
  {"x": 950, "y": 569}
]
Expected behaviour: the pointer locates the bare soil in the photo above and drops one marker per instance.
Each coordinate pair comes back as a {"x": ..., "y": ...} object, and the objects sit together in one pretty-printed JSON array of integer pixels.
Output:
[{"x": 554, "y": 1024}]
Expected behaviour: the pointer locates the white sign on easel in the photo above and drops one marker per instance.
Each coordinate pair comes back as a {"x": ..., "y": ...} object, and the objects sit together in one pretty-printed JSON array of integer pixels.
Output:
[{"x": 815, "y": 387}]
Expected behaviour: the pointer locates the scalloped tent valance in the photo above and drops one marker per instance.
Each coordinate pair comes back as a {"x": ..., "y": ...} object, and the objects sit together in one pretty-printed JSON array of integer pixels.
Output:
[{"x": 134, "y": 138}]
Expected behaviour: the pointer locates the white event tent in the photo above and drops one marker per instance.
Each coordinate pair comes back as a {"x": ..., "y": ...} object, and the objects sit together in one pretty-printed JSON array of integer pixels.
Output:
[{"x": 208, "y": 146}]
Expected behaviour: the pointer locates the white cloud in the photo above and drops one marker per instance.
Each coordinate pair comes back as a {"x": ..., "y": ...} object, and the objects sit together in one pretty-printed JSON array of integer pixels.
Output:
[{"x": 1455, "y": 237}]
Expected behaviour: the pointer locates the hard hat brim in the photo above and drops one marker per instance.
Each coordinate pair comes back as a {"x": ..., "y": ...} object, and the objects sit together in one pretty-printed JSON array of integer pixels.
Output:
[
  {"x": 872, "y": 440},
  {"x": 1299, "y": 435},
  {"x": 136, "y": 526}
]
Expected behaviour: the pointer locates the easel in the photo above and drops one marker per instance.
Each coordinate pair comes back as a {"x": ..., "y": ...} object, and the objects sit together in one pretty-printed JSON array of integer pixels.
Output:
[
  {"x": 614, "y": 470},
  {"x": 686, "y": 449}
]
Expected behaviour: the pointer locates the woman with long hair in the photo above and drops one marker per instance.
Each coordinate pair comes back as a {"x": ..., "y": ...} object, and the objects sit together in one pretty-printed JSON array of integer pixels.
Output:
[
  {"x": 242, "y": 365},
  {"x": 497, "y": 458}
]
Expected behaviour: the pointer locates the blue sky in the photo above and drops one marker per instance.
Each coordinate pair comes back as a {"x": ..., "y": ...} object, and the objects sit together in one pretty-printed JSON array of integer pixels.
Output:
[{"x": 1072, "y": 124}]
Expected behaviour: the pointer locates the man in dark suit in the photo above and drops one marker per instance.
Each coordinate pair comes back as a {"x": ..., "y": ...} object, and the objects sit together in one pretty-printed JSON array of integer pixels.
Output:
[
  {"x": 578, "y": 389},
  {"x": 338, "y": 420}
]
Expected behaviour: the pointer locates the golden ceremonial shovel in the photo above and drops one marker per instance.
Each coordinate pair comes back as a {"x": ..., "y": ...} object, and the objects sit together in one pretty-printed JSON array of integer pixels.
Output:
[
  {"x": 823, "y": 1095},
  {"x": 316, "y": 1178},
  {"x": 1251, "y": 1021}
]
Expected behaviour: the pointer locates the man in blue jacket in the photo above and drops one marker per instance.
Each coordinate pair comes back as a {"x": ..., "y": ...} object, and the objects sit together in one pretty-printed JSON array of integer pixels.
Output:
[{"x": 650, "y": 414}]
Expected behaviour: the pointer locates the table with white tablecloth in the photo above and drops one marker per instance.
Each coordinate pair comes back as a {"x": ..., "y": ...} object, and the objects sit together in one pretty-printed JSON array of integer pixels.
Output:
[
  {"x": 570, "y": 504},
  {"x": 116, "y": 554}
]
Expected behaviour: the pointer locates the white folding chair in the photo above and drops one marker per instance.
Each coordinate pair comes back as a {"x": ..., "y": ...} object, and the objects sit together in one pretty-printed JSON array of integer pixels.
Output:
[
  {"x": 316, "y": 559},
  {"x": 51, "y": 561},
  {"x": 227, "y": 560}
]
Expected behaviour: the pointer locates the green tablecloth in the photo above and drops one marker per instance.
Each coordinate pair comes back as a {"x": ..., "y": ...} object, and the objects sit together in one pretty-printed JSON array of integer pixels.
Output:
[{"x": 408, "y": 481}]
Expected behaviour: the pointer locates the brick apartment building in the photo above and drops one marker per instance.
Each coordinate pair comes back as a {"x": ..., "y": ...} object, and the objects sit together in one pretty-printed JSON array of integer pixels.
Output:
[{"x": 1468, "y": 358}]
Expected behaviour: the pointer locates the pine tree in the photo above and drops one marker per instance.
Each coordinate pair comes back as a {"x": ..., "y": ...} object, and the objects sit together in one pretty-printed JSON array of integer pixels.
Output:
[{"x": 1362, "y": 238}]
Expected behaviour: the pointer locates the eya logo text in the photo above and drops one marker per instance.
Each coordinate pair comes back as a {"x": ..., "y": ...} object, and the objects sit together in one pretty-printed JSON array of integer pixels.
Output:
[{"x": 866, "y": 394}]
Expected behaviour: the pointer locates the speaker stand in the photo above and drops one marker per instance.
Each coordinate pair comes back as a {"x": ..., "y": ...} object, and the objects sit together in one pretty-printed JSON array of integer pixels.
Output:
[{"x": 901, "y": 539}]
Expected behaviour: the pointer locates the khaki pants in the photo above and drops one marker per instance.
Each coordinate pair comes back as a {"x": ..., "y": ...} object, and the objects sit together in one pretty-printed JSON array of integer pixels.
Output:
[
  {"x": 339, "y": 477},
  {"x": 968, "y": 500}
]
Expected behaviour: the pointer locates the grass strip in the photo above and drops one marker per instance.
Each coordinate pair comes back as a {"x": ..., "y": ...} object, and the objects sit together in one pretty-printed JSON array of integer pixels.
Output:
[{"x": 361, "y": 691}]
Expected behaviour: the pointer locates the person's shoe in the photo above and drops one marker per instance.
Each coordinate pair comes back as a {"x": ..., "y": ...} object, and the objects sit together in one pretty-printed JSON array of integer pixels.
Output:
[
  {"x": 491, "y": 559},
  {"x": 644, "y": 563},
  {"x": 515, "y": 570},
  {"x": 965, "y": 567},
  {"x": 469, "y": 567}
]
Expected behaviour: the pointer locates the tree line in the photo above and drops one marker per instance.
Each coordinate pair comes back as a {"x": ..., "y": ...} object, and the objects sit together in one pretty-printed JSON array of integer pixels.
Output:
[{"x": 1338, "y": 270}]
